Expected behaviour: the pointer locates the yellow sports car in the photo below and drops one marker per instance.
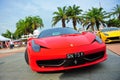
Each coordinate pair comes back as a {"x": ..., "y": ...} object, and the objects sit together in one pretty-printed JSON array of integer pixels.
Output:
[{"x": 109, "y": 34}]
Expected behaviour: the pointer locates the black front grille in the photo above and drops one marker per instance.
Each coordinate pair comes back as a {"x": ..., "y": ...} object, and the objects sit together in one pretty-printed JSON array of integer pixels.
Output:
[
  {"x": 94, "y": 56},
  {"x": 72, "y": 61},
  {"x": 85, "y": 59},
  {"x": 56, "y": 62},
  {"x": 114, "y": 38}
]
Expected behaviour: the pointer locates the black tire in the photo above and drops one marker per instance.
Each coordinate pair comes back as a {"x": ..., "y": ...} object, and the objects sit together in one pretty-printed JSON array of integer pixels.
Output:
[{"x": 26, "y": 57}]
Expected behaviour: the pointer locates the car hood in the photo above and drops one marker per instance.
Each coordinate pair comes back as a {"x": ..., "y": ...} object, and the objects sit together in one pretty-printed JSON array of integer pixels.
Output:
[
  {"x": 113, "y": 33},
  {"x": 66, "y": 41}
]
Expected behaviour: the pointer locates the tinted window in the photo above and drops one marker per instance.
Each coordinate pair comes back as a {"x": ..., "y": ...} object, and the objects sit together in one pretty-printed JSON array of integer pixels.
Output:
[
  {"x": 56, "y": 32},
  {"x": 109, "y": 29}
]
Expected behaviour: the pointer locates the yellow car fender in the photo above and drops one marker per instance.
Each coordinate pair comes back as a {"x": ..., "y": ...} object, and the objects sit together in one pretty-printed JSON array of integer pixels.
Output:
[{"x": 102, "y": 36}]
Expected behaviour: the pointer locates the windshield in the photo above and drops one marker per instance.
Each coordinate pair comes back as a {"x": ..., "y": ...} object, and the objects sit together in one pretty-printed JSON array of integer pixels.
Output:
[
  {"x": 57, "y": 31},
  {"x": 109, "y": 29}
]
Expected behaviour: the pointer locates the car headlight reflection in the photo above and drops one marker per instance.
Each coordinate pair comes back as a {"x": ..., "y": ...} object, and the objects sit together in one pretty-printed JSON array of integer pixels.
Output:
[
  {"x": 35, "y": 46},
  {"x": 98, "y": 40},
  {"x": 106, "y": 34}
]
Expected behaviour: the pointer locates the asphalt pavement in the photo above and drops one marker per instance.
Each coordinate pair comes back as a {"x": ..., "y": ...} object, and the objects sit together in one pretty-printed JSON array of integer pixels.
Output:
[{"x": 14, "y": 68}]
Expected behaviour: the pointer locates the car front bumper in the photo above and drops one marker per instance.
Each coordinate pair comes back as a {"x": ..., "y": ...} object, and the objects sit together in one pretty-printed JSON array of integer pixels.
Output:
[{"x": 36, "y": 59}]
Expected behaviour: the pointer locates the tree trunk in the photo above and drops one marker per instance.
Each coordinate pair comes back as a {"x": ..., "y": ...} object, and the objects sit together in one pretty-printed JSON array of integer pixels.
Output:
[
  {"x": 119, "y": 17},
  {"x": 63, "y": 23},
  {"x": 97, "y": 25},
  {"x": 74, "y": 24},
  {"x": 92, "y": 27}
]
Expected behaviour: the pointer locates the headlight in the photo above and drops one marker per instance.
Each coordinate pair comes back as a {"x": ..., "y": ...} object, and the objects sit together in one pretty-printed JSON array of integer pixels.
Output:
[
  {"x": 106, "y": 34},
  {"x": 98, "y": 39},
  {"x": 35, "y": 46}
]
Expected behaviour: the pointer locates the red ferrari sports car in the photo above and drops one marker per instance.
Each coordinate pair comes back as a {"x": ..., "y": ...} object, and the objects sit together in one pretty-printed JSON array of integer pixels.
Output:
[{"x": 59, "y": 49}]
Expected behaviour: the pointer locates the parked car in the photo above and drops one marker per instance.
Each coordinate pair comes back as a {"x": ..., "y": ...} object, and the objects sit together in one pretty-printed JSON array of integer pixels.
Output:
[
  {"x": 109, "y": 34},
  {"x": 59, "y": 49}
]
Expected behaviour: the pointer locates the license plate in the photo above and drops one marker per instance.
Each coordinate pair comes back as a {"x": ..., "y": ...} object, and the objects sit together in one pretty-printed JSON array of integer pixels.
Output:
[{"x": 75, "y": 55}]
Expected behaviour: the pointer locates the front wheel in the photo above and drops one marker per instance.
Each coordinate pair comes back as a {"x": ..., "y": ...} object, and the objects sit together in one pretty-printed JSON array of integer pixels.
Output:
[{"x": 26, "y": 57}]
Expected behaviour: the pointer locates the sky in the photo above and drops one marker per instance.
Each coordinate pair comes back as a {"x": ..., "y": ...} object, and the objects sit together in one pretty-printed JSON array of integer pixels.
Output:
[{"x": 11, "y": 11}]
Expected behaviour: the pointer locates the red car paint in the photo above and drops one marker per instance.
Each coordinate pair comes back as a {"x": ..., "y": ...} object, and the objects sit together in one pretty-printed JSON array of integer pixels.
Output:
[{"x": 57, "y": 47}]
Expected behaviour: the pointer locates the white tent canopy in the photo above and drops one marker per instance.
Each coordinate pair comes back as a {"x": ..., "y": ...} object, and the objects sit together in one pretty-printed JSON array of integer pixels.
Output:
[{"x": 4, "y": 38}]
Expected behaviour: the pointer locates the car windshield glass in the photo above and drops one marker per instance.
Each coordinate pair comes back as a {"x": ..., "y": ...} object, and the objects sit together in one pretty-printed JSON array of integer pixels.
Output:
[
  {"x": 57, "y": 31},
  {"x": 109, "y": 29}
]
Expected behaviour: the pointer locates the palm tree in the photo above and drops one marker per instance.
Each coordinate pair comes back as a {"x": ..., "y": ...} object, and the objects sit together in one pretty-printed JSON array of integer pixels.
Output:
[
  {"x": 60, "y": 15},
  {"x": 28, "y": 25},
  {"x": 21, "y": 29},
  {"x": 116, "y": 11},
  {"x": 73, "y": 14},
  {"x": 32, "y": 23},
  {"x": 37, "y": 22},
  {"x": 94, "y": 17},
  {"x": 8, "y": 34},
  {"x": 21, "y": 26}
]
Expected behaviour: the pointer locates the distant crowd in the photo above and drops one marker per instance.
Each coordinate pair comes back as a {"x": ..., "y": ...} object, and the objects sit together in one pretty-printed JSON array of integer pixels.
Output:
[{"x": 11, "y": 44}]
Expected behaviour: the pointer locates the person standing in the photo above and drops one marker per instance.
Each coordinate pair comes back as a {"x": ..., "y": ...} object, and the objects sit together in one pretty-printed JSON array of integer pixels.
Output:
[{"x": 11, "y": 44}]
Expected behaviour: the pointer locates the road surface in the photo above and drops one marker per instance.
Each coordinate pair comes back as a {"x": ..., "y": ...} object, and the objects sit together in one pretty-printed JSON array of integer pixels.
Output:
[{"x": 13, "y": 67}]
